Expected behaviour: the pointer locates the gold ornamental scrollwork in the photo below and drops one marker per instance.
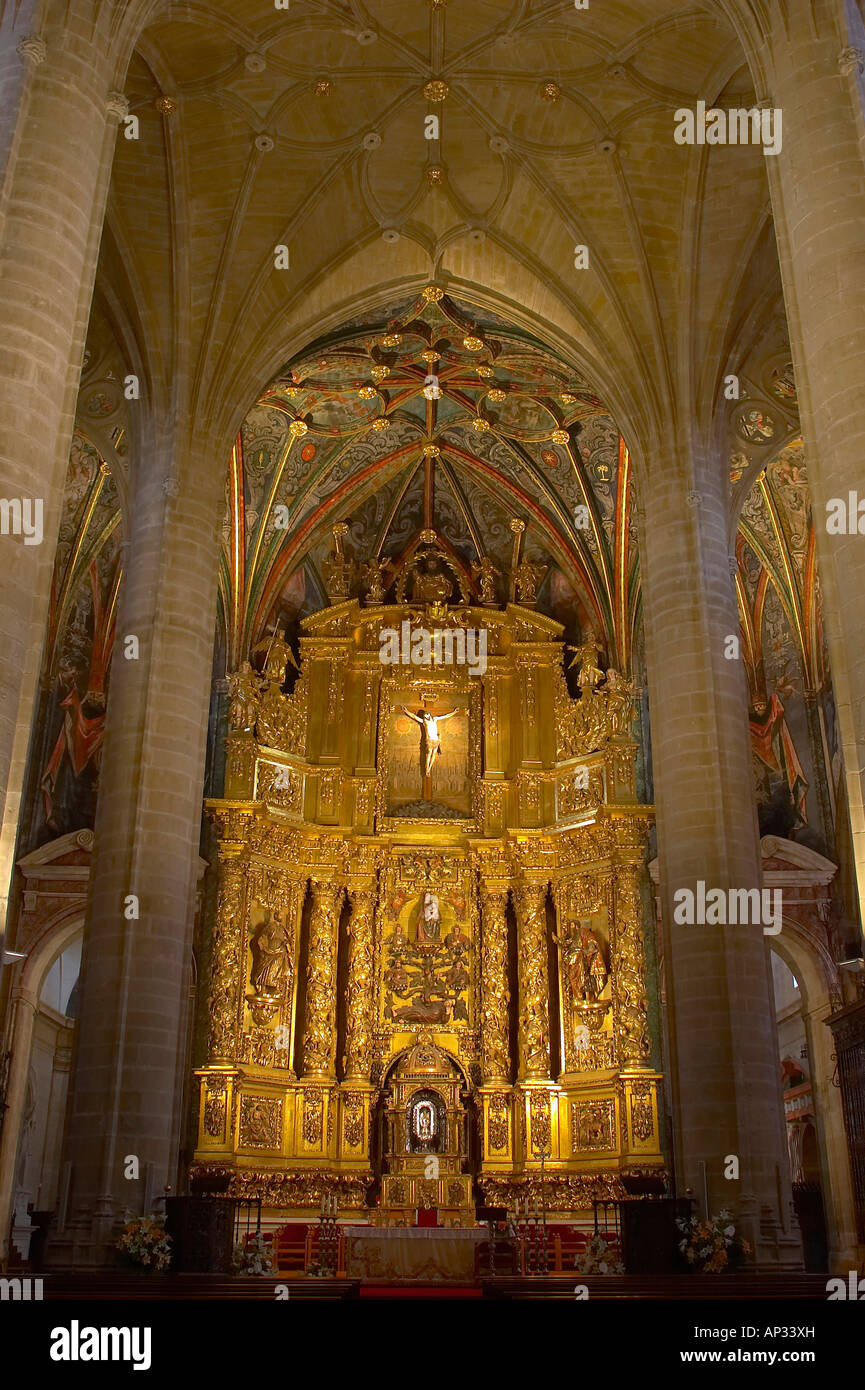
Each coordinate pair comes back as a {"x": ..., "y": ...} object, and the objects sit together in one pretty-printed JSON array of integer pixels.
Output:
[
  {"x": 225, "y": 969},
  {"x": 495, "y": 995},
  {"x": 497, "y": 1125},
  {"x": 352, "y": 1121},
  {"x": 534, "y": 1011},
  {"x": 359, "y": 992},
  {"x": 319, "y": 1039},
  {"x": 630, "y": 1016}
]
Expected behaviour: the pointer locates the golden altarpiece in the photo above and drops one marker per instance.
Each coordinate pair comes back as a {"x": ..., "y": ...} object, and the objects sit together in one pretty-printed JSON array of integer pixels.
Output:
[{"x": 428, "y": 976}]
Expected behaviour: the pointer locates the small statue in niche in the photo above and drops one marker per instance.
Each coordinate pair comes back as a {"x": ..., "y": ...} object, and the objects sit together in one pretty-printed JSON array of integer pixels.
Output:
[
  {"x": 526, "y": 579},
  {"x": 270, "y": 957},
  {"x": 587, "y": 656},
  {"x": 485, "y": 570},
  {"x": 584, "y": 962},
  {"x": 244, "y": 689},
  {"x": 430, "y": 921}
]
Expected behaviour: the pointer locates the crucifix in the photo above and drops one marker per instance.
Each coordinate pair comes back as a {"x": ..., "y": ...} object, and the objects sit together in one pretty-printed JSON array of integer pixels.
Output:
[{"x": 430, "y": 740}]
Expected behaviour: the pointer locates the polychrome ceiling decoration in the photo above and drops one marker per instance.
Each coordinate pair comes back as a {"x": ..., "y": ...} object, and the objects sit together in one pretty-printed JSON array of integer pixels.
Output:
[
  {"x": 434, "y": 416},
  {"x": 776, "y": 554}
]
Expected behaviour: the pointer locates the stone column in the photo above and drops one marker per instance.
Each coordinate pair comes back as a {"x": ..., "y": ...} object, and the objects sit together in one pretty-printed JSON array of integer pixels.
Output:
[
  {"x": 495, "y": 996},
  {"x": 815, "y": 75},
  {"x": 59, "y": 128},
  {"x": 319, "y": 1039},
  {"x": 534, "y": 1026},
  {"x": 128, "y": 1077},
  {"x": 720, "y": 1015},
  {"x": 359, "y": 991}
]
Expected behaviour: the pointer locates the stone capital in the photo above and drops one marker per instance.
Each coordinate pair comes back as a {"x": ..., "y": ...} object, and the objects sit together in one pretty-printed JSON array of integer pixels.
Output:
[
  {"x": 851, "y": 60},
  {"x": 116, "y": 106},
  {"x": 32, "y": 49}
]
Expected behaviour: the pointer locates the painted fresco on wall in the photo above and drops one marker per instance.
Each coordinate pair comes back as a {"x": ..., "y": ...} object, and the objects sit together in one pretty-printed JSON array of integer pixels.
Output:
[
  {"x": 796, "y": 756},
  {"x": 64, "y": 772}
]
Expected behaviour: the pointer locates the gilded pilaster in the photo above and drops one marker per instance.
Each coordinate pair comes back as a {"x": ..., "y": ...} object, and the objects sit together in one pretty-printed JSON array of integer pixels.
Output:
[
  {"x": 629, "y": 974},
  {"x": 359, "y": 993},
  {"x": 226, "y": 976},
  {"x": 534, "y": 1026},
  {"x": 495, "y": 996},
  {"x": 319, "y": 1039}
]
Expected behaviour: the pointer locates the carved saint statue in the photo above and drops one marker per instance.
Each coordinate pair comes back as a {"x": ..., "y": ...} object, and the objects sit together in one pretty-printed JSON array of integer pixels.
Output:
[
  {"x": 430, "y": 922},
  {"x": 584, "y": 961},
  {"x": 430, "y": 738},
  {"x": 374, "y": 573},
  {"x": 431, "y": 584},
  {"x": 485, "y": 570},
  {"x": 620, "y": 695},
  {"x": 278, "y": 655},
  {"x": 587, "y": 657},
  {"x": 527, "y": 577},
  {"x": 270, "y": 956},
  {"x": 243, "y": 693}
]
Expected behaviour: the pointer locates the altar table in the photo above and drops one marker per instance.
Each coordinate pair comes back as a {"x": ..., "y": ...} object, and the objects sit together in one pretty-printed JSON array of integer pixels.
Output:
[{"x": 411, "y": 1252}]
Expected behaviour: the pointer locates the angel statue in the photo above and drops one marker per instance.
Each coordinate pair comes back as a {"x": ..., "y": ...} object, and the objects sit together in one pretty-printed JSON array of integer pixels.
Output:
[
  {"x": 587, "y": 656},
  {"x": 244, "y": 689},
  {"x": 430, "y": 738},
  {"x": 485, "y": 570},
  {"x": 374, "y": 572},
  {"x": 277, "y": 655}
]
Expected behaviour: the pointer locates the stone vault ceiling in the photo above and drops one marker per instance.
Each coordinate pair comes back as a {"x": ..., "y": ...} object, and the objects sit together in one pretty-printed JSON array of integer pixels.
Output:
[
  {"x": 305, "y": 128},
  {"x": 430, "y": 417}
]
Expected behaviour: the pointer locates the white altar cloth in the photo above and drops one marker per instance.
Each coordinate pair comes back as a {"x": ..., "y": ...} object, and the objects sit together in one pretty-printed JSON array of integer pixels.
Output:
[{"x": 412, "y": 1252}]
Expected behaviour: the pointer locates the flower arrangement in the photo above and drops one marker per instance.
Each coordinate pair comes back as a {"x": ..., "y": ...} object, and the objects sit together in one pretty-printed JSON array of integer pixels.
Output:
[
  {"x": 254, "y": 1257},
  {"x": 598, "y": 1258},
  {"x": 144, "y": 1242},
  {"x": 712, "y": 1246}
]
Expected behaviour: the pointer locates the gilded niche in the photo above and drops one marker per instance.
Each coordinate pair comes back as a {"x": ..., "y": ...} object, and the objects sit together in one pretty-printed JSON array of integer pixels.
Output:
[{"x": 428, "y": 954}]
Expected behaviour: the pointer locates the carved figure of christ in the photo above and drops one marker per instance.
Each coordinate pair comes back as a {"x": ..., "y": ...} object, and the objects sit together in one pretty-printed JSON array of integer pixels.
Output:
[{"x": 430, "y": 741}]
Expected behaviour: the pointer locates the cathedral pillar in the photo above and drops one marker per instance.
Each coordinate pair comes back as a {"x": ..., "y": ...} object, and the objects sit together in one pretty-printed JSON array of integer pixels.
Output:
[
  {"x": 59, "y": 126},
  {"x": 128, "y": 1078},
  {"x": 817, "y": 181},
  {"x": 534, "y": 1013},
  {"x": 359, "y": 991},
  {"x": 719, "y": 1010},
  {"x": 495, "y": 1049},
  {"x": 319, "y": 1038}
]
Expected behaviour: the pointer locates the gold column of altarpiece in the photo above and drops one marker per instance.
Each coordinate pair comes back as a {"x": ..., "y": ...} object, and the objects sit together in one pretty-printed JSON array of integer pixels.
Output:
[{"x": 509, "y": 862}]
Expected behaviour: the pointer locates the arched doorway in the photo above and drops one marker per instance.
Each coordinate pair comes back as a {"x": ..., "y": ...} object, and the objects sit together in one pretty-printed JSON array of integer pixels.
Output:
[
  {"x": 807, "y": 992},
  {"x": 39, "y": 1052}
]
